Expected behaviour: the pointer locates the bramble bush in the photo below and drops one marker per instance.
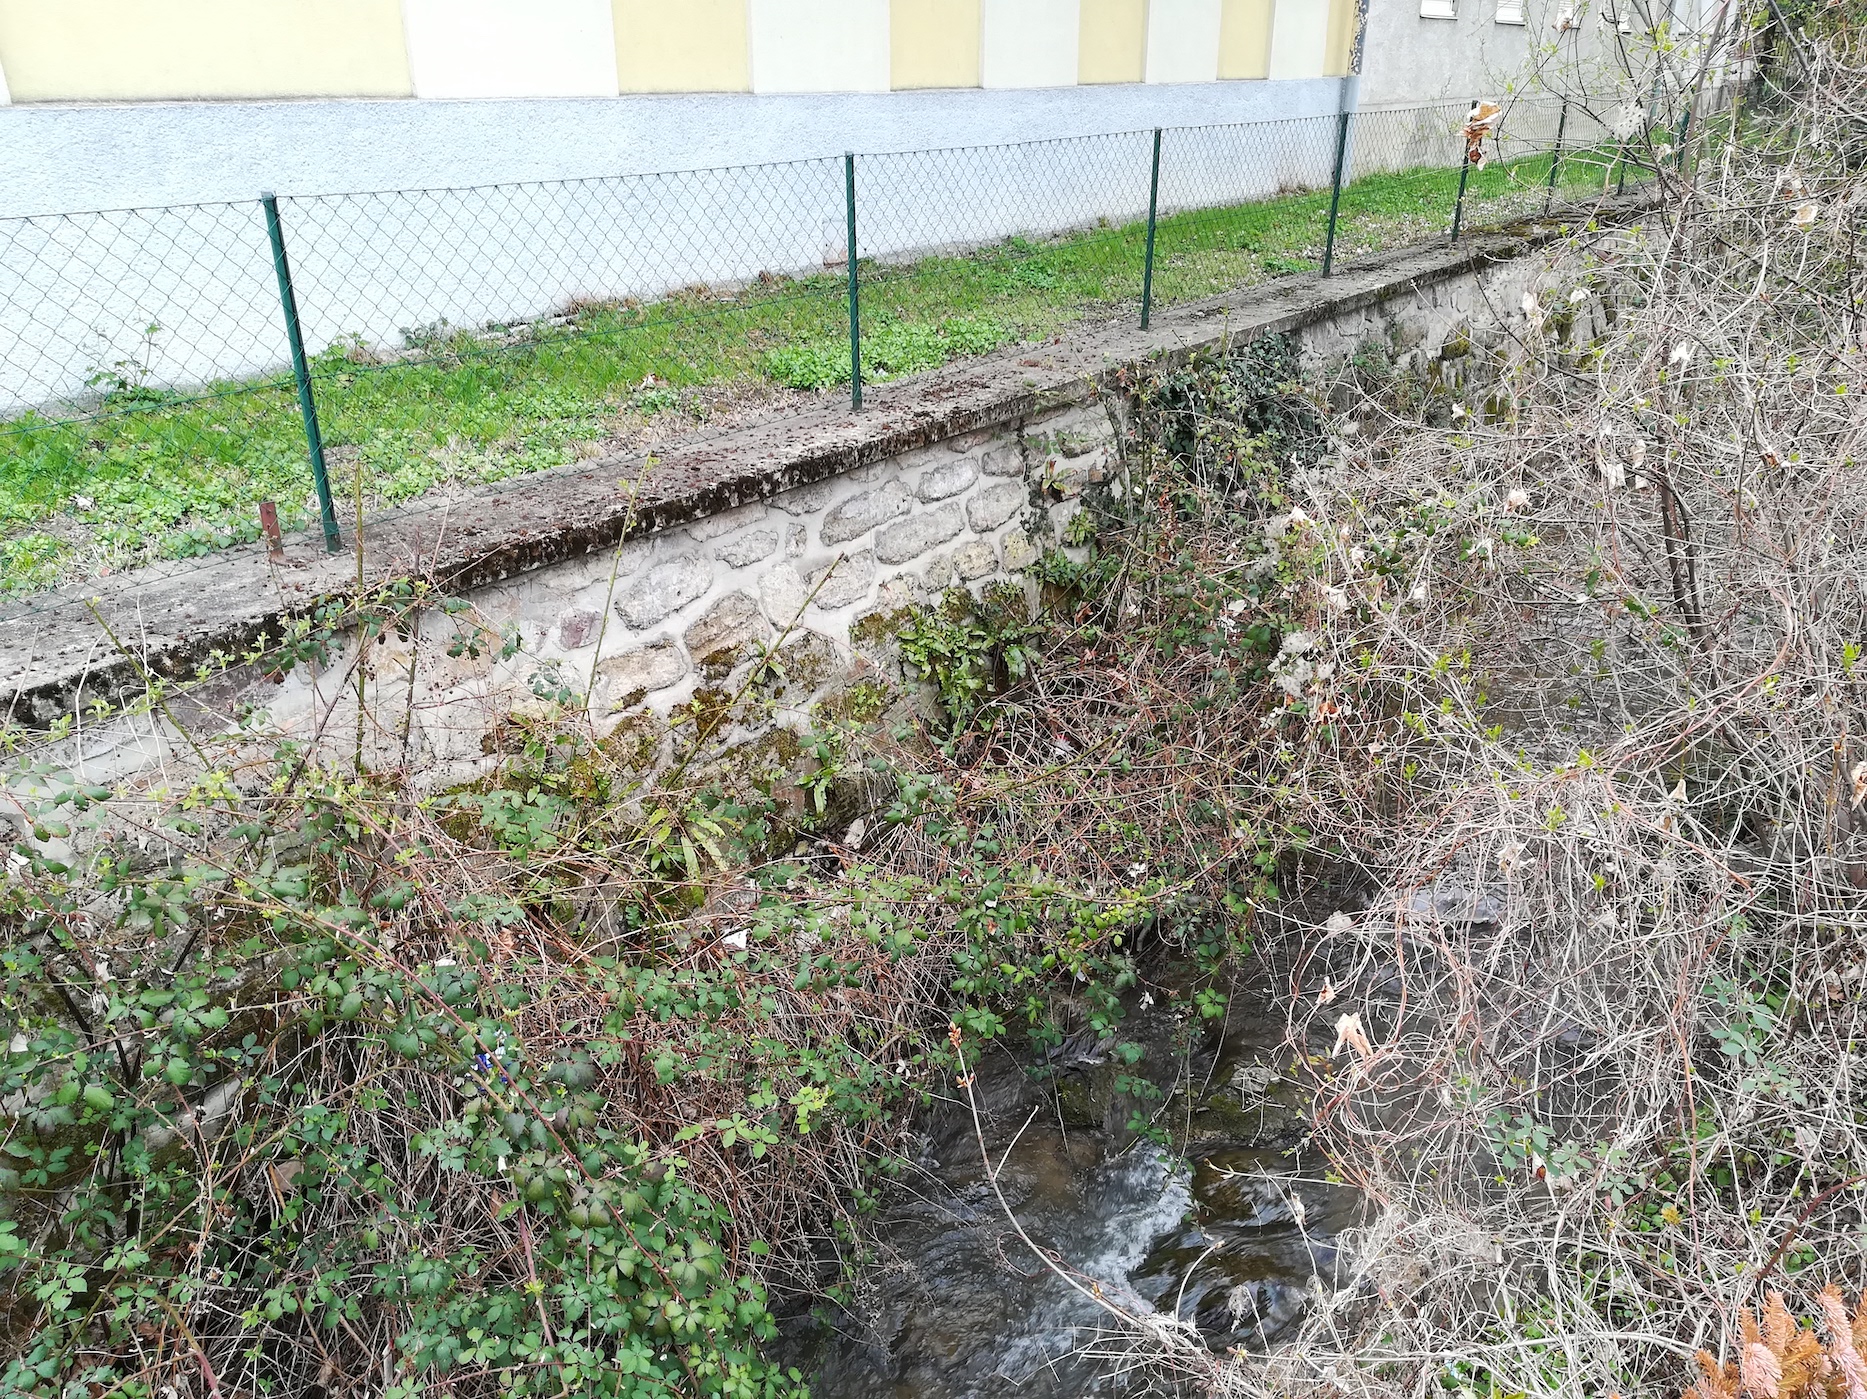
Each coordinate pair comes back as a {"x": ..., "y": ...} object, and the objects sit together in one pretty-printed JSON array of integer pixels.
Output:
[{"x": 547, "y": 1083}]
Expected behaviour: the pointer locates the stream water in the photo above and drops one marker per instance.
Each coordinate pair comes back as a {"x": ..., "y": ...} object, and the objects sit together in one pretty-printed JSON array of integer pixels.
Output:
[{"x": 1232, "y": 1233}]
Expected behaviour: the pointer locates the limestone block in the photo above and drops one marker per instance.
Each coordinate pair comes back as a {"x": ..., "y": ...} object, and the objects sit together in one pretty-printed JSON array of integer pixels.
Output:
[
  {"x": 843, "y": 582},
  {"x": 578, "y": 627},
  {"x": 627, "y": 678},
  {"x": 665, "y": 588},
  {"x": 994, "y": 505},
  {"x": 1067, "y": 482},
  {"x": 902, "y": 590},
  {"x": 947, "y": 479},
  {"x": 975, "y": 559},
  {"x": 1020, "y": 551},
  {"x": 781, "y": 592},
  {"x": 971, "y": 441},
  {"x": 748, "y": 548},
  {"x": 910, "y": 538},
  {"x": 862, "y": 512},
  {"x": 732, "y": 624},
  {"x": 1406, "y": 334},
  {"x": 1003, "y": 461},
  {"x": 939, "y": 574},
  {"x": 1081, "y": 436},
  {"x": 922, "y": 457},
  {"x": 806, "y": 500},
  {"x": 796, "y": 540},
  {"x": 714, "y": 526},
  {"x": 804, "y": 665}
]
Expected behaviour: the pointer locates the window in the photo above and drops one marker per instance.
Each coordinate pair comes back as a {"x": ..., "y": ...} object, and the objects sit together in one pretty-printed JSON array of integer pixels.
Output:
[
  {"x": 1439, "y": 9},
  {"x": 1510, "y": 11}
]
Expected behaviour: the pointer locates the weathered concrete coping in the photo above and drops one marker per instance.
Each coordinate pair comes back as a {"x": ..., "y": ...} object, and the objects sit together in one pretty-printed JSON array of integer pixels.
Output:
[{"x": 53, "y": 655}]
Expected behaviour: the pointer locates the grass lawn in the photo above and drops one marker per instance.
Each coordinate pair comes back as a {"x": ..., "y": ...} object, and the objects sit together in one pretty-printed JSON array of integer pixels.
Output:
[{"x": 151, "y": 478}]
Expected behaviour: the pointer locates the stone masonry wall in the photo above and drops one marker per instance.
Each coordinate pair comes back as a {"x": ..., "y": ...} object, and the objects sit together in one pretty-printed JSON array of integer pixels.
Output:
[
  {"x": 665, "y": 623},
  {"x": 729, "y": 628},
  {"x": 679, "y": 617}
]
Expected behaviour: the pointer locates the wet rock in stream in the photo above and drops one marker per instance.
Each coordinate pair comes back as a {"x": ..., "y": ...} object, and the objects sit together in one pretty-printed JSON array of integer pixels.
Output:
[{"x": 956, "y": 1306}]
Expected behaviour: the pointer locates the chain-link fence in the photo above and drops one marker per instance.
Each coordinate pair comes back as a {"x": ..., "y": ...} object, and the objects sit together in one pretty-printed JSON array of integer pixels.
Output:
[{"x": 148, "y": 400}]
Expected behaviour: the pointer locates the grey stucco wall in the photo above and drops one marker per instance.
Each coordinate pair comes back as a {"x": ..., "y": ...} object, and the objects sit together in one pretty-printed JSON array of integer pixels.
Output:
[
  {"x": 1406, "y": 58},
  {"x": 60, "y": 159},
  {"x": 1563, "y": 46}
]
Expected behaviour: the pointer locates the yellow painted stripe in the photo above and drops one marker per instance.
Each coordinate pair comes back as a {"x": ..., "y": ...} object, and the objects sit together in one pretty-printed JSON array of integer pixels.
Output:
[
  {"x": 933, "y": 43},
  {"x": 1339, "y": 47},
  {"x": 682, "y": 46},
  {"x": 1114, "y": 41},
  {"x": 1245, "y": 39},
  {"x": 111, "y": 50}
]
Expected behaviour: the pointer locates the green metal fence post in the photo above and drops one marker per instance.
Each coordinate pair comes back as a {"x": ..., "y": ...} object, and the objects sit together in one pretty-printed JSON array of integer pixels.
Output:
[
  {"x": 1335, "y": 191},
  {"x": 855, "y": 289},
  {"x": 307, "y": 403},
  {"x": 1153, "y": 208},
  {"x": 1458, "y": 209},
  {"x": 1555, "y": 159},
  {"x": 1465, "y": 174}
]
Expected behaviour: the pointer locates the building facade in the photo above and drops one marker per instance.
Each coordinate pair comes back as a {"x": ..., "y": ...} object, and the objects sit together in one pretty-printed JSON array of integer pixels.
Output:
[
  {"x": 112, "y": 103},
  {"x": 185, "y": 50},
  {"x": 135, "y": 102}
]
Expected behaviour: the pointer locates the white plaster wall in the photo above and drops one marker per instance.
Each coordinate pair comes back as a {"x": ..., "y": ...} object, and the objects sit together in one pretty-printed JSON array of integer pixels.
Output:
[
  {"x": 1030, "y": 43},
  {"x": 511, "y": 48},
  {"x": 1300, "y": 37},
  {"x": 5, "y": 96},
  {"x": 1183, "y": 41},
  {"x": 819, "y": 45}
]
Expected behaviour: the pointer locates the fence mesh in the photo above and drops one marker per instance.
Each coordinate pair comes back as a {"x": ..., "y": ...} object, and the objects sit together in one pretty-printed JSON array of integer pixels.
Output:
[
  {"x": 461, "y": 335},
  {"x": 968, "y": 248}
]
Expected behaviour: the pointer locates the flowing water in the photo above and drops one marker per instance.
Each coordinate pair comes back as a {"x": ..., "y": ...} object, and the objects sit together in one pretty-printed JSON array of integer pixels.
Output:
[{"x": 1232, "y": 1233}]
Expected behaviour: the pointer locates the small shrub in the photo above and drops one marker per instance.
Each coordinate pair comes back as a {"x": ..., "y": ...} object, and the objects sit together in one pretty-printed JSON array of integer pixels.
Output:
[
  {"x": 1233, "y": 419},
  {"x": 966, "y": 655}
]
